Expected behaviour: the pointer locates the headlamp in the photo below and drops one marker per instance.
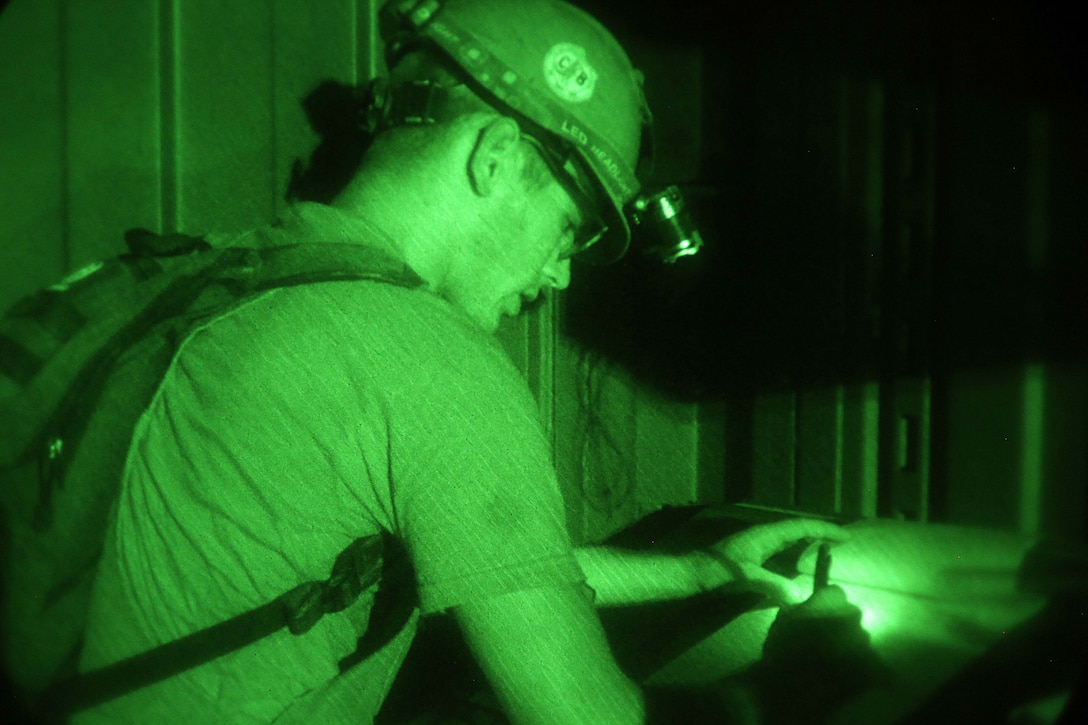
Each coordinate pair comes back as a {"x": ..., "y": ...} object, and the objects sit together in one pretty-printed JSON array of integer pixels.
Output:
[{"x": 662, "y": 227}]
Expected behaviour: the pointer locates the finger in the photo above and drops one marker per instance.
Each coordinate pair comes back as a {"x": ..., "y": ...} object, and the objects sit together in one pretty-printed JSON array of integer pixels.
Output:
[
  {"x": 760, "y": 543},
  {"x": 784, "y": 534},
  {"x": 817, "y": 529}
]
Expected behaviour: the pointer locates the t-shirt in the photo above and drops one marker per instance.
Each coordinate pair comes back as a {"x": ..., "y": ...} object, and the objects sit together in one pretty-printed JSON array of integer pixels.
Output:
[{"x": 282, "y": 431}]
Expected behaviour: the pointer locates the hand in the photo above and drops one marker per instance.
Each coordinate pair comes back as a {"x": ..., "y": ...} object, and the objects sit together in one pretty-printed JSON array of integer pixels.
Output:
[
  {"x": 816, "y": 657},
  {"x": 825, "y": 627},
  {"x": 738, "y": 560}
]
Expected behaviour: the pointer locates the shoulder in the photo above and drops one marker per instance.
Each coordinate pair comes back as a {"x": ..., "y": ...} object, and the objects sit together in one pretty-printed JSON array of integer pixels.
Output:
[
  {"x": 405, "y": 337},
  {"x": 387, "y": 317}
]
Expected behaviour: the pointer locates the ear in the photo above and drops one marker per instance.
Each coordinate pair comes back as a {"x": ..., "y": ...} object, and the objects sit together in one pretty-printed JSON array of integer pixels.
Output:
[{"x": 496, "y": 157}]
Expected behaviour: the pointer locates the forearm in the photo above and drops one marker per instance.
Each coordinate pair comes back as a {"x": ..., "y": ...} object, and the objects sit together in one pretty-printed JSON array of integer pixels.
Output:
[{"x": 622, "y": 577}]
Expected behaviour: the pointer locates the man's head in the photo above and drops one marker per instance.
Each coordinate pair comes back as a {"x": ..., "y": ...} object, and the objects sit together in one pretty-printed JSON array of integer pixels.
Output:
[
  {"x": 475, "y": 208},
  {"x": 554, "y": 68},
  {"x": 519, "y": 223},
  {"x": 523, "y": 154}
]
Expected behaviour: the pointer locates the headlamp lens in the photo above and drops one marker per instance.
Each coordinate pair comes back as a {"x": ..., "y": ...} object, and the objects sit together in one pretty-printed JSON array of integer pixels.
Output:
[{"x": 667, "y": 229}]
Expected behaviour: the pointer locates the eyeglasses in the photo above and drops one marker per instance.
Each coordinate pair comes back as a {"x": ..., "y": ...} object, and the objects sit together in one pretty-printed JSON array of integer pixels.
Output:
[{"x": 565, "y": 169}]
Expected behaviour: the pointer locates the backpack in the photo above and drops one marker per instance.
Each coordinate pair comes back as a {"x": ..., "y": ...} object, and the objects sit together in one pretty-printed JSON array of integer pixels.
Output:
[{"x": 79, "y": 363}]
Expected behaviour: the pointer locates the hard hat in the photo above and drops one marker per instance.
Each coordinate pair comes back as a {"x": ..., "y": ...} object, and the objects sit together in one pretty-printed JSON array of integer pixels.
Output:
[{"x": 553, "y": 65}]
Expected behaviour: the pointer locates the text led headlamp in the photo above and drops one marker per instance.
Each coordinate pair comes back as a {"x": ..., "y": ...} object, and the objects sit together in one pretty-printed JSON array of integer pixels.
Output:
[{"x": 571, "y": 86}]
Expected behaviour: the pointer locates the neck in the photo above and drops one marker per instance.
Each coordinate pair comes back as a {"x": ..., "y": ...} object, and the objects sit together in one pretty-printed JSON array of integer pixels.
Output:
[{"x": 414, "y": 215}]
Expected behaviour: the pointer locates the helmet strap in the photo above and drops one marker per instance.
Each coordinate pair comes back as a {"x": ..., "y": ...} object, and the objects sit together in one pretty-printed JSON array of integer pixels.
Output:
[{"x": 413, "y": 103}]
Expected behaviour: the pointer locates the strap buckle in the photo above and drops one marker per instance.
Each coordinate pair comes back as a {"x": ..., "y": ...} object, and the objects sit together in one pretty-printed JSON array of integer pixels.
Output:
[{"x": 356, "y": 569}]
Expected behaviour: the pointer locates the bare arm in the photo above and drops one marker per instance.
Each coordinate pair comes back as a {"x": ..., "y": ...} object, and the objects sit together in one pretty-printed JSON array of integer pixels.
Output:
[
  {"x": 544, "y": 650},
  {"x": 623, "y": 577},
  {"x": 545, "y": 654}
]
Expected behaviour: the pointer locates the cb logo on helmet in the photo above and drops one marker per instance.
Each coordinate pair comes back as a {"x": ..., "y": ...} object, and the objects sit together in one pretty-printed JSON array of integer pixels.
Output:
[{"x": 569, "y": 74}]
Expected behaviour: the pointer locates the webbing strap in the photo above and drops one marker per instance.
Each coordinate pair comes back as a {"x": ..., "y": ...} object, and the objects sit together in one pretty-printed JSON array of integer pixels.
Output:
[
  {"x": 356, "y": 569},
  {"x": 17, "y": 363},
  {"x": 72, "y": 415},
  {"x": 233, "y": 274}
]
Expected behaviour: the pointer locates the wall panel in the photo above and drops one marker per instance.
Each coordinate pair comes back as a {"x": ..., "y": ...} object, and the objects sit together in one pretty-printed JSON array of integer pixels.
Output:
[
  {"x": 860, "y": 454},
  {"x": 311, "y": 42},
  {"x": 112, "y": 101},
  {"x": 225, "y": 117},
  {"x": 666, "y": 451},
  {"x": 819, "y": 450},
  {"x": 161, "y": 114},
  {"x": 607, "y": 432},
  {"x": 32, "y": 200},
  {"x": 774, "y": 450}
]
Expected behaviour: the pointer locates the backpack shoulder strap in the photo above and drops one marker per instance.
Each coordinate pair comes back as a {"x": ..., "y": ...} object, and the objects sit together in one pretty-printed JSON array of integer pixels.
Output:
[
  {"x": 361, "y": 565},
  {"x": 72, "y": 337},
  {"x": 175, "y": 280}
]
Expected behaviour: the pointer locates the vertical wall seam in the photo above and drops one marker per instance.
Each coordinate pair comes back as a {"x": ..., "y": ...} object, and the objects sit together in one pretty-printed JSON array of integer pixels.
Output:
[
  {"x": 798, "y": 441},
  {"x": 1037, "y": 240},
  {"x": 65, "y": 190},
  {"x": 545, "y": 338},
  {"x": 1037, "y": 189},
  {"x": 168, "y": 106},
  {"x": 273, "y": 82},
  {"x": 360, "y": 30},
  {"x": 1033, "y": 413},
  {"x": 837, "y": 453},
  {"x": 372, "y": 40},
  {"x": 925, "y": 433},
  {"x": 871, "y": 451}
]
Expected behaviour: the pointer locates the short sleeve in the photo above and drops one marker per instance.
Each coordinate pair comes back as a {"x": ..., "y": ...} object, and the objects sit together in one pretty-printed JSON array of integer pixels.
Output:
[{"x": 474, "y": 491}]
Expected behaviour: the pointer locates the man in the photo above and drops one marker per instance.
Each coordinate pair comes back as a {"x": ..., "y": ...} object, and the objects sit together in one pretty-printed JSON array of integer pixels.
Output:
[{"x": 316, "y": 414}]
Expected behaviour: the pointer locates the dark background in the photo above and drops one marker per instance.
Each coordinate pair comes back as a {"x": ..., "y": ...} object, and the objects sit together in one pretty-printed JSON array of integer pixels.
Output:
[{"x": 783, "y": 293}]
